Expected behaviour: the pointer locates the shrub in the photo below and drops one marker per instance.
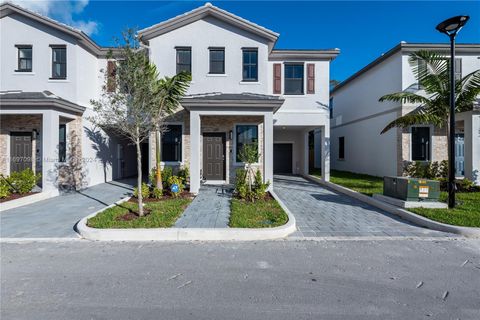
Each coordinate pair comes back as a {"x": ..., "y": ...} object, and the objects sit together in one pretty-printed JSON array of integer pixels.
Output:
[
  {"x": 156, "y": 193},
  {"x": 426, "y": 170},
  {"x": 175, "y": 180},
  {"x": 167, "y": 172},
  {"x": 145, "y": 191},
  {"x": 258, "y": 189},
  {"x": 4, "y": 189},
  {"x": 23, "y": 181},
  {"x": 184, "y": 174}
]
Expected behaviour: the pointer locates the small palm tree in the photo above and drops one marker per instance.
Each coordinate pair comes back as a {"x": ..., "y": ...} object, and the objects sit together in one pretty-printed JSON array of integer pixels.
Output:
[{"x": 432, "y": 73}]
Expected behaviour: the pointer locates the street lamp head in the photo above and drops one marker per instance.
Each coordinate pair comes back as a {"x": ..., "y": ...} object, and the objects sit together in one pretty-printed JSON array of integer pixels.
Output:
[{"x": 453, "y": 25}]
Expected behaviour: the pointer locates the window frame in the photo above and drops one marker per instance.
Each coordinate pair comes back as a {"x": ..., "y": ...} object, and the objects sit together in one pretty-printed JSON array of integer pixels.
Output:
[
  {"x": 182, "y": 154},
  {"x": 62, "y": 152},
  {"x": 177, "y": 64},
  {"x": 285, "y": 66},
  {"x": 21, "y": 47},
  {"x": 249, "y": 64},
  {"x": 430, "y": 140},
  {"x": 235, "y": 142},
  {"x": 54, "y": 47},
  {"x": 341, "y": 148},
  {"x": 216, "y": 49}
]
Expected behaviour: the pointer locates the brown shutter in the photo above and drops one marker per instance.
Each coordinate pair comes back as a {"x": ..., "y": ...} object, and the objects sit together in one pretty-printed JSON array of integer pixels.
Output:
[
  {"x": 277, "y": 78},
  {"x": 111, "y": 69},
  {"x": 310, "y": 78}
]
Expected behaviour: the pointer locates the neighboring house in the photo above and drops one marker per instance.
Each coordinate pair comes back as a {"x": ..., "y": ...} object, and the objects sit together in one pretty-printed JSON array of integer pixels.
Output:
[
  {"x": 243, "y": 91},
  {"x": 357, "y": 118}
]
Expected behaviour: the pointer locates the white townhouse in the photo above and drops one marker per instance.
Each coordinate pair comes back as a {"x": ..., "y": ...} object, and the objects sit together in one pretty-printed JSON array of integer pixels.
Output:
[
  {"x": 243, "y": 91},
  {"x": 357, "y": 118}
]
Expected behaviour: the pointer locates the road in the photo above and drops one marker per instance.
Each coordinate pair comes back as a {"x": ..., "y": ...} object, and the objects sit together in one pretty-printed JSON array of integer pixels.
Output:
[{"x": 390, "y": 279}]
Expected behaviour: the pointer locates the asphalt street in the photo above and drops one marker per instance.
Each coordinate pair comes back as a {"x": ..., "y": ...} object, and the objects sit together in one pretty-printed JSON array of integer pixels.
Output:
[{"x": 389, "y": 279}]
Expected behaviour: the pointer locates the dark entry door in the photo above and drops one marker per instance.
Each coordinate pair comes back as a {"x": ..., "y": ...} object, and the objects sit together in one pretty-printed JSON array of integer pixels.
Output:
[
  {"x": 282, "y": 158},
  {"x": 20, "y": 151},
  {"x": 214, "y": 156}
]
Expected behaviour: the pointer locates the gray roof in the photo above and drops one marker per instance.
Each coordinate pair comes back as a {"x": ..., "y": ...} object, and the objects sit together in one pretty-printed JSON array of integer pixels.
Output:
[
  {"x": 407, "y": 48},
  {"x": 232, "y": 100},
  {"x": 18, "y": 99}
]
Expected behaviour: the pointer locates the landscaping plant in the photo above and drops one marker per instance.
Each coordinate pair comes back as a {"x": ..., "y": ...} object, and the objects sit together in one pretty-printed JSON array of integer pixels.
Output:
[
  {"x": 145, "y": 191},
  {"x": 4, "y": 189},
  {"x": 175, "y": 180},
  {"x": 22, "y": 182}
]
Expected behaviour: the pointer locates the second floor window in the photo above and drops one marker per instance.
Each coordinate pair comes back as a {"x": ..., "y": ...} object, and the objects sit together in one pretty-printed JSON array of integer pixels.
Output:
[
  {"x": 184, "y": 59},
  {"x": 217, "y": 60},
  {"x": 293, "y": 79},
  {"x": 250, "y": 65},
  {"x": 59, "y": 62},
  {"x": 458, "y": 69},
  {"x": 24, "y": 58}
]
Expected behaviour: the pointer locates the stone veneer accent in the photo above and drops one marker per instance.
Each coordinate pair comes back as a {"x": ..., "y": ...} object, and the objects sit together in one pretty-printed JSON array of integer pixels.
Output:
[
  {"x": 70, "y": 174},
  {"x": 18, "y": 123},
  {"x": 218, "y": 123}
]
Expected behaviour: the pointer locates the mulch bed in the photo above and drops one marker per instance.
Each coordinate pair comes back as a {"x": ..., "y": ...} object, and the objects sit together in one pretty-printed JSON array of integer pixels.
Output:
[
  {"x": 15, "y": 196},
  {"x": 132, "y": 215}
]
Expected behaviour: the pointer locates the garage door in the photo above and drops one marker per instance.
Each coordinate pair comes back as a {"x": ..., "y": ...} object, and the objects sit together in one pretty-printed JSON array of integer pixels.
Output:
[{"x": 282, "y": 158}]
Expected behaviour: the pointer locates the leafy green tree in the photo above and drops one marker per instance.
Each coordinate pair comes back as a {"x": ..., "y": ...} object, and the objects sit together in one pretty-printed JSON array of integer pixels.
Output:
[
  {"x": 129, "y": 99},
  {"x": 431, "y": 71}
]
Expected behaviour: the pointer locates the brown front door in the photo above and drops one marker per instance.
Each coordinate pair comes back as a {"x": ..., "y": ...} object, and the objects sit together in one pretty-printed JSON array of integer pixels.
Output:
[
  {"x": 20, "y": 151},
  {"x": 214, "y": 156}
]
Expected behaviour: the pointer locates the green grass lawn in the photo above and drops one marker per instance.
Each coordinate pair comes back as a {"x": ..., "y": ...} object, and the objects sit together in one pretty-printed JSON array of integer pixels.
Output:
[
  {"x": 163, "y": 214},
  {"x": 466, "y": 213},
  {"x": 362, "y": 183},
  {"x": 259, "y": 214}
]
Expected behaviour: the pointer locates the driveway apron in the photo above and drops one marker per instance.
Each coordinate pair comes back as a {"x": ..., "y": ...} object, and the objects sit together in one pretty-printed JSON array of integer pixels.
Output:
[
  {"x": 56, "y": 217},
  {"x": 321, "y": 212}
]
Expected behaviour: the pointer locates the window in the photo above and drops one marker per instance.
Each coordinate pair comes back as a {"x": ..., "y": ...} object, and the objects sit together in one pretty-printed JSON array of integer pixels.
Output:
[
  {"x": 245, "y": 134},
  {"x": 172, "y": 144},
  {"x": 341, "y": 148},
  {"x": 420, "y": 144},
  {"x": 330, "y": 108},
  {"x": 62, "y": 143},
  {"x": 217, "y": 60},
  {"x": 184, "y": 59},
  {"x": 250, "y": 65},
  {"x": 24, "y": 58},
  {"x": 59, "y": 62},
  {"x": 458, "y": 69},
  {"x": 293, "y": 79}
]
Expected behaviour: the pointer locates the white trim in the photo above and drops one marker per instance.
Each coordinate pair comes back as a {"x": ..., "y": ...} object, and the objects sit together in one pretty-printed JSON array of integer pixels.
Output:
[
  {"x": 19, "y": 73},
  {"x": 234, "y": 141},
  {"x": 249, "y": 83},
  {"x": 430, "y": 151},
  {"x": 216, "y": 75}
]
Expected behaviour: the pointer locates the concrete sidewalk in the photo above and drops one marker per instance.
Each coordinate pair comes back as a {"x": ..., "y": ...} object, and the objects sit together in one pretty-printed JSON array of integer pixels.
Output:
[{"x": 56, "y": 217}]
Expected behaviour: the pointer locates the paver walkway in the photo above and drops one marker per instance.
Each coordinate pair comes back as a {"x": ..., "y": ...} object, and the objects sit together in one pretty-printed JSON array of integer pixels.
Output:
[
  {"x": 320, "y": 212},
  {"x": 209, "y": 209},
  {"x": 56, "y": 217}
]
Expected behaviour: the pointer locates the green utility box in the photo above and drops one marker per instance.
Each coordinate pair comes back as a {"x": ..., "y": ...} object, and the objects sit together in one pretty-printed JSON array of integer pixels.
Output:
[{"x": 411, "y": 189}]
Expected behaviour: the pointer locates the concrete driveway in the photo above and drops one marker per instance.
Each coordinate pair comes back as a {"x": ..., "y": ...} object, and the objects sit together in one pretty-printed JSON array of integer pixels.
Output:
[
  {"x": 321, "y": 212},
  {"x": 56, "y": 217}
]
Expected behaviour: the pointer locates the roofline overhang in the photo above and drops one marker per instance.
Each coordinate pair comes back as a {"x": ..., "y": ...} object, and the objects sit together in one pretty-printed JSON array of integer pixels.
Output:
[
  {"x": 404, "y": 47},
  {"x": 202, "y": 12},
  {"x": 8, "y": 8},
  {"x": 216, "y": 104},
  {"x": 295, "y": 54},
  {"x": 62, "y": 105}
]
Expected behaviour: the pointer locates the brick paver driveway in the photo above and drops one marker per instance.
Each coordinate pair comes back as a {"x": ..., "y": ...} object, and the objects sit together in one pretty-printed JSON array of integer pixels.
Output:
[
  {"x": 321, "y": 212},
  {"x": 56, "y": 217}
]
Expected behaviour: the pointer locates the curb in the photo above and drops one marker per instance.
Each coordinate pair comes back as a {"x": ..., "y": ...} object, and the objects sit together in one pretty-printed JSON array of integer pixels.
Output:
[
  {"x": 23, "y": 201},
  {"x": 186, "y": 234},
  {"x": 469, "y": 232}
]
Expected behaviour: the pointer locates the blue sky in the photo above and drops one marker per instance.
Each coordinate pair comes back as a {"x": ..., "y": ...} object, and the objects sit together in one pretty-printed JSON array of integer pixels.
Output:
[{"x": 362, "y": 30}]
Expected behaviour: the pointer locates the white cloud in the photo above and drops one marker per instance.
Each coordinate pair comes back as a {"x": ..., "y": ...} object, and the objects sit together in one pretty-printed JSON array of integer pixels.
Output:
[{"x": 62, "y": 11}]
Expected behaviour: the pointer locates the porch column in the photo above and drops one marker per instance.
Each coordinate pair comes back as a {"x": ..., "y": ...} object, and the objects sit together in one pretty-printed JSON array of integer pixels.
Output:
[
  {"x": 325, "y": 136},
  {"x": 268, "y": 147},
  {"x": 50, "y": 126},
  {"x": 195, "y": 177}
]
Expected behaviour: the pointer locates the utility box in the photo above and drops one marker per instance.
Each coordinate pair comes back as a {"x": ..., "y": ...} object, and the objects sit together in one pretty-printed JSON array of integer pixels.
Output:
[{"x": 411, "y": 189}]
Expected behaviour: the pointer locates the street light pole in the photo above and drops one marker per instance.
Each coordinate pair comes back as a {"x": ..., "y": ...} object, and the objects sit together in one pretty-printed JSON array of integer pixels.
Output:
[{"x": 451, "y": 27}]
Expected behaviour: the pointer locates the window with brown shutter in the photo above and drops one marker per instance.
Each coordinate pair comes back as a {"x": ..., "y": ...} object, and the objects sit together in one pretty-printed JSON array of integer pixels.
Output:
[
  {"x": 310, "y": 78},
  {"x": 277, "y": 78},
  {"x": 111, "y": 69}
]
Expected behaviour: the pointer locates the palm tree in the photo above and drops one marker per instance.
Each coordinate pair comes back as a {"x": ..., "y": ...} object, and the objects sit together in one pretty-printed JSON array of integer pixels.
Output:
[
  {"x": 171, "y": 90},
  {"x": 432, "y": 73}
]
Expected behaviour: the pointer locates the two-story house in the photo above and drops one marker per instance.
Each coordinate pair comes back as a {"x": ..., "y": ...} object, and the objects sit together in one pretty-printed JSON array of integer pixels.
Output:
[
  {"x": 243, "y": 91},
  {"x": 358, "y": 118}
]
